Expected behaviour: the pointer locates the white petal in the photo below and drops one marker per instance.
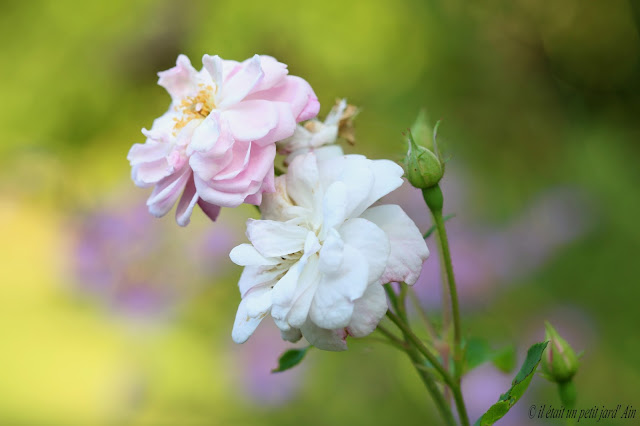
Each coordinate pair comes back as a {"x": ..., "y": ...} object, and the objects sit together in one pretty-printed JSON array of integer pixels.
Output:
[
  {"x": 278, "y": 206},
  {"x": 388, "y": 177},
  {"x": 334, "y": 208},
  {"x": 273, "y": 239},
  {"x": 285, "y": 288},
  {"x": 253, "y": 308},
  {"x": 370, "y": 241},
  {"x": 256, "y": 276},
  {"x": 368, "y": 311},
  {"x": 307, "y": 285},
  {"x": 385, "y": 177},
  {"x": 359, "y": 182},
  {"x": 408, "y": 249},
  {"x": 247, "y": 255},
  {"x": 302, "y": 183},
  {"x": 328, "y": 340},
  {"x": 332, "y": 304},
  {"x": 332, "y": 253}
]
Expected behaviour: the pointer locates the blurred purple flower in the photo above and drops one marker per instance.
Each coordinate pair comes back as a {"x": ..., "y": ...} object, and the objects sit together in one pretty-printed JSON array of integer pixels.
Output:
[
  {"x": 258, "y": 356},
  {"x": 139, "y": 266},
  {"x": 488, "y": 256}
]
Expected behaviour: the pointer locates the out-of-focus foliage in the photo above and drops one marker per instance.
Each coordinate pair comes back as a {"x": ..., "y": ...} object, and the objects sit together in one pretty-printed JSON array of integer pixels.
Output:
[{"x": 533, "y": 95}]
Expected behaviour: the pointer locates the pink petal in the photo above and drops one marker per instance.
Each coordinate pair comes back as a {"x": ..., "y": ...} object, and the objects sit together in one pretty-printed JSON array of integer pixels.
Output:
[
  {"x": 166, "y": 193},
  {"x": 214, "y": 196},
  {"x": 214, "y": 66},
  {"x": 179, "y": 80},
  {"x": 251, "y": 120},
  {"x": 241, "y": 152},
  {"x": 147, "y": 152},
  {"x": 274, "y": 73},
  {"x": 206, "y": 135},
  {"x": 297, "y": 93},
  {"x": 147, "y": 174},
  {"x": 211, "y": 210},
  {"x": 186, "y": 204},
  {"x": 285, "y": 125},
  {"x": 206, "y": 167},
  {"x": 238, "y": 85},
  {"x": 253, "y": 172}
]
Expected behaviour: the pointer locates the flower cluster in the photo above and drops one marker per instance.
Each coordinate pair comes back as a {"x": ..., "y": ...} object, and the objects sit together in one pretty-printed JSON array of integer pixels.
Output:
[{"x": 321, "y": 252}]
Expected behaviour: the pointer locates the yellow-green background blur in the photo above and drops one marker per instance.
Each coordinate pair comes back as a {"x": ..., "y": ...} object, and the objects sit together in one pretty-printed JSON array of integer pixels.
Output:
[{"x": 534, "y": 95}]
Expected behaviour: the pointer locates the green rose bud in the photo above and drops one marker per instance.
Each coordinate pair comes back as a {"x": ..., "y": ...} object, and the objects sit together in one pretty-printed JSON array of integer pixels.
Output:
[
  {"x": 423, "y": 166},
  {"x": 559, "y": 361}
]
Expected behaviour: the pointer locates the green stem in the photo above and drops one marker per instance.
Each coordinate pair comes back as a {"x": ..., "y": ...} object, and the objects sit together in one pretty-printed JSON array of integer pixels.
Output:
[
  {"x": 423, "y": 316},
  {"x": 433, "y": 198},
  {"x": 422, "y": 349},
  {"x": 432, "y": 388},
  {"x": 392, "y": 337},
  {"x": 417, "y": 343}
]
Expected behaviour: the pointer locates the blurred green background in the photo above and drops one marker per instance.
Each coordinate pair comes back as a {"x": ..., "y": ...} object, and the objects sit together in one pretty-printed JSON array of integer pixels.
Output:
[{"x": 108, "y": 316}]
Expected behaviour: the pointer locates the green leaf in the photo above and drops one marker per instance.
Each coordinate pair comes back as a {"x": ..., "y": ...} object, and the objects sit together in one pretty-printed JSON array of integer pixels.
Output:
[
  {"x": 518, "y": 387},
  {"x": 290, "y": 359},
  {"x": 477, "y": 352},
  {"x": 433, "y": 228}
]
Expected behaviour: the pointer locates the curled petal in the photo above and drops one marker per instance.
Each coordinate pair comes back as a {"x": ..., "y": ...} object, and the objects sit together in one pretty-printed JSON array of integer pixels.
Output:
[
  {"x": 147, "y": 152},
  {"x": 408, "y": 249},
  {"x": 187, "y": 203},
  {"x": 253, "y": 308},
  {"x": 147, "y": 174},
  {"x": 166, "y": 193},
  {"x": 179, "y": 80},
  {"x": 247, "y": 255},
  {"x": 274, "y": 73},
  {"x": 275, "y": 239},
  {"x": 239, "y": 84},
  {"x": 296, "y": 92}
]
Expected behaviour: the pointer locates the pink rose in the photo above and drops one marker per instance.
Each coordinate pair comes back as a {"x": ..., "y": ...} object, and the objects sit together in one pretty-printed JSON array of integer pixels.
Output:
[{"x": 216, "y": 143}]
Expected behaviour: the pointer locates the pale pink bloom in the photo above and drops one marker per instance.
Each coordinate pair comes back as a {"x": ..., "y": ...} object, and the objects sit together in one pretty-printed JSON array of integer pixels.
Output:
[
  {"x": 320, "y": 255},
  {"x": 216, "y": 143}
]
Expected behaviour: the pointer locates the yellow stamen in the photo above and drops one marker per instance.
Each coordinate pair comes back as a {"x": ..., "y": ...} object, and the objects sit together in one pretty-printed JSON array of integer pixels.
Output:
[{"x": 195, "y": 107}]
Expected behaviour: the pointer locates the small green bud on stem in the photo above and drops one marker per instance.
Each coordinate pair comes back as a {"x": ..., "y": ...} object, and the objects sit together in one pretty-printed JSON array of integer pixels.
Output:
[
  {"x": 559, "y": 361},
  {"x": 560, "y": 364},
  {"x": 423, "y": 166}
]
